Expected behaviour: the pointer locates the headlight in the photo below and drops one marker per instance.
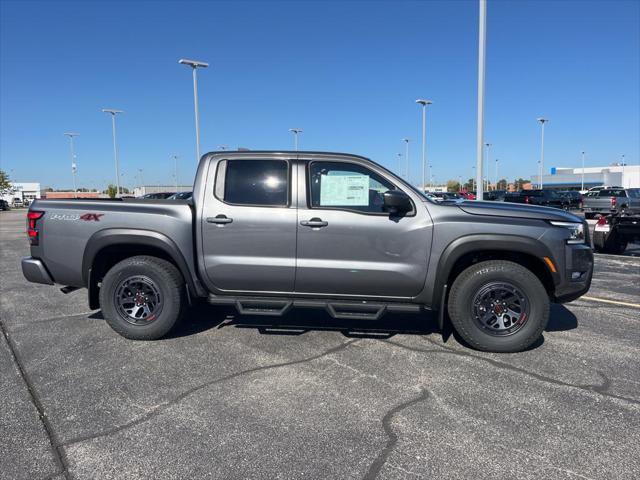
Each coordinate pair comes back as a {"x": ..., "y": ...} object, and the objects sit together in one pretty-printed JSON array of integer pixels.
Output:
[{"x": 576, "y": 231}]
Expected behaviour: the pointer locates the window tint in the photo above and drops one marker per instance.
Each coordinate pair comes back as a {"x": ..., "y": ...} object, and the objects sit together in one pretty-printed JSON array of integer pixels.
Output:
[
  {"x": 348, "y": 186},
  {"x": 612, "y": 193},
  {"x": 256, "y": 182},
  {"x": 634, "y": 192}
]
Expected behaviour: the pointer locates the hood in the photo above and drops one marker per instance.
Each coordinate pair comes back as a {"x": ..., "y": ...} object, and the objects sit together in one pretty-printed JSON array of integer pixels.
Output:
[{"x": 502, "y": 209}]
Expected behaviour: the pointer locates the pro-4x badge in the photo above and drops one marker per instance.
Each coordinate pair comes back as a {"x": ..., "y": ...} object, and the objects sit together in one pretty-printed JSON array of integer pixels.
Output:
[{"x": 91, "y": 216}]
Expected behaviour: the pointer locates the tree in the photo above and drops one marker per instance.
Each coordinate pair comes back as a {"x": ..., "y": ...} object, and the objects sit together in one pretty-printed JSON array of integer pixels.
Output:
[
  {"x": 5, "y": 184},
  {"x": 469, "y": 184},
  {"x": 502, "y": 184},
  {"x": 518, "y": 183},
  {"x": 111, "y": 191},
  {"x": 453, "y": 186}
]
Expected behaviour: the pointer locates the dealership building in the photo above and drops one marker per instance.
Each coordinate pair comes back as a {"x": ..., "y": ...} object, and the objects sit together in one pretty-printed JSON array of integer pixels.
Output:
[
  {"x": 24, "y": 191},
  {"x": 572, "y": 178}
]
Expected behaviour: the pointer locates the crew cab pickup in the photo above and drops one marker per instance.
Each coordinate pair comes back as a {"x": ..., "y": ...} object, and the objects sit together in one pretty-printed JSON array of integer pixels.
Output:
[
  {"x": 625, "y": 201},
  {"x": 544, "y": 197},
  {"x": 269, "y": 231}
]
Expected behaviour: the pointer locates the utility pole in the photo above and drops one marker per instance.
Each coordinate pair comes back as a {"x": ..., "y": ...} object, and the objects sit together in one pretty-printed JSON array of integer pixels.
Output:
[
  {"x": 195, "y": 64},
  {"x": 482, "y": 35},
  {"x": 74, "y": 166},
  {"x": 113, "y": 113}
]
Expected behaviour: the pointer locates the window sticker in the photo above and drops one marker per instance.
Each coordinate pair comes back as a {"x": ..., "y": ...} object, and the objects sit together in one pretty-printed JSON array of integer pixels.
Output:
[{"x": 344, "y": 190}]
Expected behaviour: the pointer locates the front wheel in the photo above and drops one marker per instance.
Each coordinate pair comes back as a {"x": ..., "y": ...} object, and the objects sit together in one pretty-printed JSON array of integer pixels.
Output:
[
  {"x": 498, "y": 306},
  {"x": 142, "y": 297}
]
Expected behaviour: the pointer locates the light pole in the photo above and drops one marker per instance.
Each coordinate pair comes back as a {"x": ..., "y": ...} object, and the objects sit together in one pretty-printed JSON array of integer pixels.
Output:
[
  {"x": 431, "y": 176},
  {"x": 175, "y": 169},
  {"x": 542, "y": 122},
  {"x": 539, "y": 175},
  {"x": 582, "y": 188},
  {"x": 113, "y": 113},
  {"x": 406, "y": 156},
  {"x": 295, "y": 132},
  {"x": 74, "y": 167},
  {"x": 142, "y": 189},
  {"x": 487, "y": 159},
  {"x": 424, "y": 104},
  {"x": 622, "y": 179},
  {"x": 399, "y": 156},
  {"x": 496, "y": 174},
  {"x": 194, "y": 64},
  {"x": 473, "y": 174},
  {"x": 482, "y": 35},
  {"x": 223, "y": 147}
]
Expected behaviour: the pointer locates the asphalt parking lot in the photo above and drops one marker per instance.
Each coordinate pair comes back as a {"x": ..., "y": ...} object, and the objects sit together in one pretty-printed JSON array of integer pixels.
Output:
[{"x": 232, "y": 397}]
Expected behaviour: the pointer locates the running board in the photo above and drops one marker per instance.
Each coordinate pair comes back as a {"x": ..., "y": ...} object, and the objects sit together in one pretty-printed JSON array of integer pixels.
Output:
[{"x": 339, "y": 309}]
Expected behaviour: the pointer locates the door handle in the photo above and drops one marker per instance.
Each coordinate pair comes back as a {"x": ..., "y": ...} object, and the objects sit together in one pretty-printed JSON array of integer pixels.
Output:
[
  {"x": 219, "y": 219},
  {"x": 315, "y": 222}
]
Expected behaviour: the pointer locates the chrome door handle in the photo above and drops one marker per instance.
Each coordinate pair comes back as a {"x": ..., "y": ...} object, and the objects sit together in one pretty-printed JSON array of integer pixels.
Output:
[
  {"x": 219, "y": 219},
  {"x": 315, "y": 222}
]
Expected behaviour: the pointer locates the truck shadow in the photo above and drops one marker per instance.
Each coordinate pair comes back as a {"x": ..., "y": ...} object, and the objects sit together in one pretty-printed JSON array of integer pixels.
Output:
[{"x": 297, "y": 322}]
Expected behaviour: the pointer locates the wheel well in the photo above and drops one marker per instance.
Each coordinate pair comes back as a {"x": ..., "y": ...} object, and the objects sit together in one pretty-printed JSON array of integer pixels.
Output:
[
  {"x": 530, "y": 262},
  {"x": 112, "y": 254}
]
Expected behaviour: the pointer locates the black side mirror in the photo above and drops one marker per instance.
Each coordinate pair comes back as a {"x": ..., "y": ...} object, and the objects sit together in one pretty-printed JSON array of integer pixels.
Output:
[{"x": 396, "y": 201}]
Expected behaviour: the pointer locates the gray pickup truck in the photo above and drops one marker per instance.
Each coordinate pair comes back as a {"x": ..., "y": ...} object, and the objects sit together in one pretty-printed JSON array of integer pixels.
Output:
[
  {"x": 613, "y": 200},
  {"x": 268, "y": 231}
]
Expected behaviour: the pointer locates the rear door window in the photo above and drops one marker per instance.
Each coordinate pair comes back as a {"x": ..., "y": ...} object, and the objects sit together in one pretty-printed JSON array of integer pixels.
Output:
[
  {"x": 618, "y": 192},
  {"x": 253, "y": 182}
]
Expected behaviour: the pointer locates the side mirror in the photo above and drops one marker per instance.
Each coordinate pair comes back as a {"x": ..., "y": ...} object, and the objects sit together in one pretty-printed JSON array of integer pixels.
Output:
[{"x": 396, "y": 201}]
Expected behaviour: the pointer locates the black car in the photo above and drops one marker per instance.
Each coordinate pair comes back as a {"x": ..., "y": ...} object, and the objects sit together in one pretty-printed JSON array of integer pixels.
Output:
[
  {"x": 158, "y": 196},
  {"x": 544, "y": 197},
  {"x": 181, "y": 196},
  {"x": 4, "y": 205},
  {"x": 574, "y": 198},
  {"x": 495, "y": 195}
]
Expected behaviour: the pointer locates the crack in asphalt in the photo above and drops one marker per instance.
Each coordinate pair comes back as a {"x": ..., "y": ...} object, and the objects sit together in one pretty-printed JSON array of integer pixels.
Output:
[
  {"x": 599, "y": 389},
  {"x": 163, "y": 406},
  {"x": 58, "y": 455},
  {"x": 392, "y": 437}
]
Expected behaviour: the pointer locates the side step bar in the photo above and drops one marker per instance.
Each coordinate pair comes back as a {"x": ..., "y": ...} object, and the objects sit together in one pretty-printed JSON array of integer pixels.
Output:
[{"x": 339, "y": 309}]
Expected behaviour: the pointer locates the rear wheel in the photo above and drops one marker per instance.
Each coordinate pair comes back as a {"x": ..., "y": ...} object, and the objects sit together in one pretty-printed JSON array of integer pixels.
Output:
[
  {"x": 604, "y": 242},
  {"x": 498, "y": 306},
  {"x": 142, "y": 298}
]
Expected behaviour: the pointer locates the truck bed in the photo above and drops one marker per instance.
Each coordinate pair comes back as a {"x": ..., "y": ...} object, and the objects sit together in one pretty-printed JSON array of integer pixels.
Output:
[{"x": 68, "y": 227}]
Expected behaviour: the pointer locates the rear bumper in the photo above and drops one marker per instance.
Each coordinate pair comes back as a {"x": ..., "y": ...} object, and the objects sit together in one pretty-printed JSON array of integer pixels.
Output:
[
  {"x": 578, "y": 274},
  {"x": 34, "y": 270}
]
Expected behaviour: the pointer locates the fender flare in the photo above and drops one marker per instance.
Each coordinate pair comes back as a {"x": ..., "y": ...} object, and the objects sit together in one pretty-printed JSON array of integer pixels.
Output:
[
  {"x": 121, "y": 236},
  {"x": 483, "y": 242}
]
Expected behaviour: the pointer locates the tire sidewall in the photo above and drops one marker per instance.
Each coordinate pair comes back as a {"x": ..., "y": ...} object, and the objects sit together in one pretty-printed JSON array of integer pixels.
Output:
[
  {"x": 489, "y": 272},
  {"x": 170, "y": 296}
]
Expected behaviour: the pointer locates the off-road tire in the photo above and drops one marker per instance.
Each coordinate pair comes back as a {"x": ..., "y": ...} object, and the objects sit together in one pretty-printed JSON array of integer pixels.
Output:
[
  {"x": 169, "y": 283},
  {"x": 478, "y": 276}
]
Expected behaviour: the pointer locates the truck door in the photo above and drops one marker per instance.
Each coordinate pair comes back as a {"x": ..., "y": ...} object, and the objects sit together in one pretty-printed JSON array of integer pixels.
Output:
[
  {"x": 249, "y": 225},
  {"x": 348, "y": 244}
]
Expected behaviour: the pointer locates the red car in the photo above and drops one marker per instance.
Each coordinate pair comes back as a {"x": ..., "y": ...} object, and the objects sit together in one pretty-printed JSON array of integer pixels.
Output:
[{"x": 468, "y": 195}]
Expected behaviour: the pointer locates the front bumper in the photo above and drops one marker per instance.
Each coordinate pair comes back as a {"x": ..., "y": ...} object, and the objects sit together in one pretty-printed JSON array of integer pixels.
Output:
[
  {"x": 578, "y": 273},
  {"x": 34, "y": 270}
]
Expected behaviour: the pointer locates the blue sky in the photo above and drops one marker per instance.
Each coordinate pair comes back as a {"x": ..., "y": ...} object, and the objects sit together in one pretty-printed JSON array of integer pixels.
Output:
[{"x": 346, "y": 72}]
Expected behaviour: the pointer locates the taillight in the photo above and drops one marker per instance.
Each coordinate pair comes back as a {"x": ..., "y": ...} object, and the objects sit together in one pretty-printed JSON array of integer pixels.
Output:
[
  {"x": 614, "y": 201},
  {"x": 526, "y": 199},
  {"x": 32, "y": 231},
  {"x": 602, "y": 221}
]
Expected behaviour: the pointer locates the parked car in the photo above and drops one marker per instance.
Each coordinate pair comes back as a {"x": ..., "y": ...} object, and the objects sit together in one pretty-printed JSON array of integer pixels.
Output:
[
  {"x": 614, "y": 232},
  {"x": 181, "y": 196},
  {"x": 17, "y": 202},
  {"x": 495, "y": 195},
  {"x": 442, "y": 196},
  {"x": 573, "y": 197},
  {"x": 612, "y": 200},
  {"x": 544, "y": 197},
  {"x": 347, "y": 236},
  {"x": 469, "y": 195},
  {"x": 158, "y": 196},
  {"x": 4, "y": 205}
]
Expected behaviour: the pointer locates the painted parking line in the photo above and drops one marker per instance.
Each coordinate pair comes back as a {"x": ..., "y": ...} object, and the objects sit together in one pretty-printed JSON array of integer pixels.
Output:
[{"x": 614, "y": 302}]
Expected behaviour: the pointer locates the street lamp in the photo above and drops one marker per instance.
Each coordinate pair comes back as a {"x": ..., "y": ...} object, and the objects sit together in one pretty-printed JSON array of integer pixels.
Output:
[
  {"x": 142, "y": 189},
  {"x": 194, "y": 64},
  {"x": 482, "y": 37},
  {"x": 399, "y": 164},
  {"x": 582, "y": 189},
  {"x": 295, "y": 132},
  {"x": 486, "y": 164},
  {"x": 622, "y": 179},
  {"x": 424, "y": 104},
  {"x": 113, "y": 113},
  {"x": 74, "y": 167},
  {"x": 542, "y": 122},
  {"x": 175, "y": 169},
  {"x": 496, "y": 174},
  {"x": 406, "y": 155}
]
